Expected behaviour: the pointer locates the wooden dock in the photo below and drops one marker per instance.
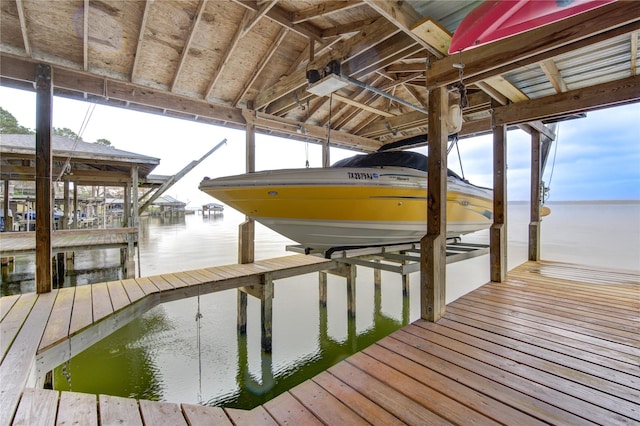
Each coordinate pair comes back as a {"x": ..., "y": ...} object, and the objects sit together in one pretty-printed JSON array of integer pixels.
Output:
[
  {"x": 555, "y": 343},
  {"x": 14, "y": 243}
]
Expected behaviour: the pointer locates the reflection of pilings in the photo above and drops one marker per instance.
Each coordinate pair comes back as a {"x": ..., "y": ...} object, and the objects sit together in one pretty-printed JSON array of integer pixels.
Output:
[
  {"x": 264, "y": 292},
  {"x": 266, "y": 309},
  {"x": 349, "y": 272},
  {"x": 242, "y": 312}
]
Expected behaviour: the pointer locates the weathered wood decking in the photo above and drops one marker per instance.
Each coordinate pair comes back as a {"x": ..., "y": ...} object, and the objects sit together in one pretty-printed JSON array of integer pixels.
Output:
[
  {"x": 555, "y": 343},
  {"x": 14, "y": 243}
]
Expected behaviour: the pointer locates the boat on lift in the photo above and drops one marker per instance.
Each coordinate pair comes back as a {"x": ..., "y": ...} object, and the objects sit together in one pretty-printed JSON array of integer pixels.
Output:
[{"x": 362, "y": 201}]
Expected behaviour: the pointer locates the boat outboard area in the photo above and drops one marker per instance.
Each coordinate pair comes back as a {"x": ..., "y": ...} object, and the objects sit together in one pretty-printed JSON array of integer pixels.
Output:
[{"x": 367, "y": 200}]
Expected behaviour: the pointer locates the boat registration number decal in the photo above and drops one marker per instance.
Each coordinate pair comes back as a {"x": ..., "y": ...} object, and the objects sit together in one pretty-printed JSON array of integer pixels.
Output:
[{"x": 362, "y": 175}]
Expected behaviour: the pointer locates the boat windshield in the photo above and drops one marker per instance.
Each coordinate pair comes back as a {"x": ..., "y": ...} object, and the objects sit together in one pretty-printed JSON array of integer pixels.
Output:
[{"x": 410, "y": 159}]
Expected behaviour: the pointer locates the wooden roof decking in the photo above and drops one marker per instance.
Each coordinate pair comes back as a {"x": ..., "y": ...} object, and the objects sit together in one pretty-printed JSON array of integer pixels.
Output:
[
  {"x": 230, "y": 62},
  {"x": 554, "y": 343}
]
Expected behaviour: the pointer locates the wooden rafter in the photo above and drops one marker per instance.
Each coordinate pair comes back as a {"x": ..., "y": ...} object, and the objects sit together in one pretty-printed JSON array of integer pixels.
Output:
[
  {"x": 23, "y": 27},
  {"x": 403, "y": 16},
  {"x": 506, "y": 88},
  {"x": 323, "y": 9},
  {"x": 228, "y": 53},
  {"x": 346, "y": 29},
  {"x": 553, "y": 74},
  {"x": 362, "y": 96},
  {"x": 143, "y": 26},
  {"x": 259, "y": 14},
  {"x": 279, "y": 16},
  {"x": 85, "y": 36},
  {"x": 185, "y": 51},
  {"x": 263, "y": 63},
  {"x": 362, "y": 106},
  {"x": 364, "y": 40},
  {"x": 305, "y": 55}
]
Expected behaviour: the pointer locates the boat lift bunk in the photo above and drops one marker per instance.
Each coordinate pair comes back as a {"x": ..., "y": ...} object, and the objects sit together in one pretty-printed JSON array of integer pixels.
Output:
[{"x": 402, "y": 258}]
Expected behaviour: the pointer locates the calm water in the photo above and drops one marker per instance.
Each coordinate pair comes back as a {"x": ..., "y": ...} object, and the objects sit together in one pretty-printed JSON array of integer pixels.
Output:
[{"x": 167, "y": 355}]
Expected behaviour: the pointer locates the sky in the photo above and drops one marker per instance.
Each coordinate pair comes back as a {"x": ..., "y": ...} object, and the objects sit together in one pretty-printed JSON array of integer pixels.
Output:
[{"x": 595, "y": 158}]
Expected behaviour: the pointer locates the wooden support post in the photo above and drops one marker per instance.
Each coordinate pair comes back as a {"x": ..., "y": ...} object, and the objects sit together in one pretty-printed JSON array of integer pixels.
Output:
[
  {"x": 64, "y": 221},
  {"x": 351, "y": 290},
  {"x": 246, "y": 244},
  {"x": 266, "y": 309},
  {"x": 242, "y": 312},
  {"x": 498, "y": 232},
  {"x": 75, "y": 206},
  {"x": 130, "y": 262},
  {"x": 44, "y": 103},
  {"x": 8, "y": 221},
  {"x": 534, "y": 223},
  {"x": 326, "y": 157},
  {"x": 126, "y": 214},
  {"x": 434, "y": 243},
  {"x": 322, "y": 289}
]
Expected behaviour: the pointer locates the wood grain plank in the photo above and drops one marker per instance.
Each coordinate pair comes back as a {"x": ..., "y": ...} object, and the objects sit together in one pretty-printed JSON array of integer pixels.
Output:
[
  {"x": 161, "y": 413},
  {"x": 77, "y": 409},
  {"x": 325, "y": 406},
  {"x": 6, "y": 302},
  {"x": 160, "y": 282},
  {"x": 101, "y": 301},
  {"x": 470, "y": 397},
  {"x": 390, "y": 399},
  {"x": 468, "y": 372},
  {"x": 360, "y": 404},
  {"x": 286, "y": 410},
  {"x": 146, "y": 285},
  {"x": 584, "y": 400},
  {"x": 200, "y": 415},
  {"x": 118, "y": 411},
  {"x": 133, "y": 290},
  {"x": 82, "y": 314},
  {"x": 37, "y": 407},
  {"x": 118, "y": 295},
  {"x": 175, "y": 281},
  {"x": 14, "y": 319},
  {"x": 57, "y": 327},
  {"x": 16, "y": 366},
  {"x": 256, "y": 417},
  {"x": 187, "y": 278}
]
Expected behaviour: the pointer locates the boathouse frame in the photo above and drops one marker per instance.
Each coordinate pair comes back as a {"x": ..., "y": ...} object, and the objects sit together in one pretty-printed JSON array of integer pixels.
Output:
[{"x": 392, "y": 59}]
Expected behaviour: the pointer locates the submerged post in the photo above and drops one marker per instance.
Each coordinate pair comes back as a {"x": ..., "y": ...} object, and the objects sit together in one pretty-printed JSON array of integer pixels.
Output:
[
  {"x": 498, "y": 232},
  {"x": 433, "y": 245},
  {"x": 534, "y": 223},
  {"x": 44, "y": 102}
]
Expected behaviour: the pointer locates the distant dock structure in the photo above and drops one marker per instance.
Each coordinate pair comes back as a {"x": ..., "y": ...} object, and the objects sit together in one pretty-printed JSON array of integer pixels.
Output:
[{"x": 212, "y": 208}]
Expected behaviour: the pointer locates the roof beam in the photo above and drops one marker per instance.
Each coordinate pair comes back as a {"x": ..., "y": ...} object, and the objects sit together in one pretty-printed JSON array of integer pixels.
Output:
[
  {"x": 618, "y": 92},
  {"x": 23, "y": 27},
  {"x": 227, "y": 54},
  {"x": 85, "y": 36},
  {"x": 323, "y": 9},
  {"x": 364, "y": 40},
  {"x": 187, "y": 46},
  {"x": 263, "y": 63},
  {"x": 553, "y": 74},
  {"x": 279, "y": 16},
  {"x": 403, "y": 16},
  {"x": 143, "y": 25},
  {"x": 536, "y": 45}
]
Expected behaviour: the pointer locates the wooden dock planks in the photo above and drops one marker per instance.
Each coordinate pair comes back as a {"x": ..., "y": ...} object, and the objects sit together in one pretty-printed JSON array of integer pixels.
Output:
[{"x": 526, "y": 351}]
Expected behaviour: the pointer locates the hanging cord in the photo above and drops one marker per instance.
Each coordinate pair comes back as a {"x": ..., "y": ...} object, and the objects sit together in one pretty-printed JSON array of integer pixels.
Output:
[
  {"x": 67, "y": 164},
  {"x": 306, "y": 154},
  {"x": 198, "y": 318},
  {"x": 330, "y": 109},
  {"x": 459, "y": 157}
]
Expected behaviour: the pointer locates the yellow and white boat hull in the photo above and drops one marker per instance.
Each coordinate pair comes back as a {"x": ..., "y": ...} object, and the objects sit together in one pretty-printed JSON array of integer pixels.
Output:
[{"x": 334, "y": 207}]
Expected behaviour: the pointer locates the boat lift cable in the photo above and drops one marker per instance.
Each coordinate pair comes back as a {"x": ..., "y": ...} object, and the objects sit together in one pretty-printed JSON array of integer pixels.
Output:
[
  {"x": 198, "y": 322},
  {"x": 545, "y": 190},
  {"x": 85, "y": 122}
]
